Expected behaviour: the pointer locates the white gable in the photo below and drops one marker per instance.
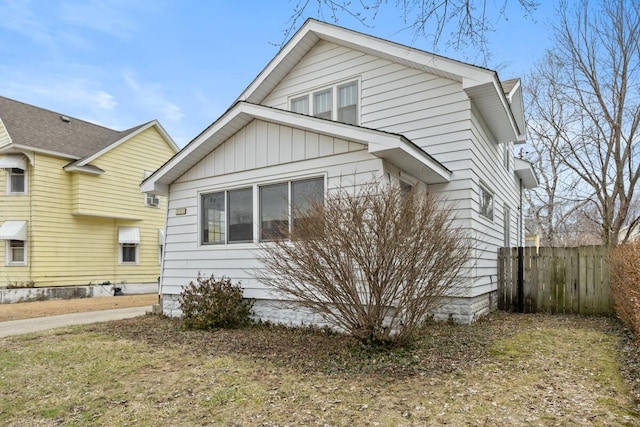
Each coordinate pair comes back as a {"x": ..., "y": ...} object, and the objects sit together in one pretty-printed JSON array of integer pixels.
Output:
[
  {"x": 261, "y": 143},
  {"x": 480, "y": 84},
  {"x": 392, "y": 147}
]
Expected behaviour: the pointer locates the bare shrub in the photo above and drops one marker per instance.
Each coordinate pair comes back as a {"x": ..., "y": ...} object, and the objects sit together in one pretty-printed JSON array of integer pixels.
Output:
[
  {"x": 214, "y": 303},
  {"x": 373, "y": 263},
  {"x": 625, "y": 285}
]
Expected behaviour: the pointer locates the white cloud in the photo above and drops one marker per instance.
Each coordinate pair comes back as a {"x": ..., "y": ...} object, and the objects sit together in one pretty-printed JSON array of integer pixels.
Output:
[
  {"x": 112, "y": 17},
  {"x": 19, "y": 17},
  {"x": 152, "y": 97}
]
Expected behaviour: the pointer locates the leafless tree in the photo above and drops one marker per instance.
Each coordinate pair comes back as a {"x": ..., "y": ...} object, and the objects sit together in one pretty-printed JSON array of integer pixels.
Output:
[
  {"x": 554, "y": 206},
  {"x": 594, "y": 71},
  {"x": 373, "y": 262},
  {"x": 468, "y": 20}
]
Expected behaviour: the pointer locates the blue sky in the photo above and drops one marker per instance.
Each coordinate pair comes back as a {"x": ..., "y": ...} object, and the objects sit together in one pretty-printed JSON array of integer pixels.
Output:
[{"x": 120, "y": 63}]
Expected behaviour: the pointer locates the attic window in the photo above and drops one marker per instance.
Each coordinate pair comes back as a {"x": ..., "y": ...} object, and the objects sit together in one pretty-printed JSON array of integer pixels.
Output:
[
  {"x": 338, "y": 102},
  {"x": 65, "y": 119}
]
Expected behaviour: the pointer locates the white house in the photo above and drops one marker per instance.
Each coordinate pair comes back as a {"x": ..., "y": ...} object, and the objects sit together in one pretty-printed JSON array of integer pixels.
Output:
[{"x": 336, "y": 107}]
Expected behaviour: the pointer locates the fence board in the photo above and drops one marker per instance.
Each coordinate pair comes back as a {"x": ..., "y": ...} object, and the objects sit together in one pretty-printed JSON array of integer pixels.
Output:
[{"x": 557, "y": 280}]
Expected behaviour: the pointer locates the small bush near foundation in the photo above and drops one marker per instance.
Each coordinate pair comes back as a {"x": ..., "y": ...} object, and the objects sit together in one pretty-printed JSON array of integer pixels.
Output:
[
  {"x": 625, "y": 285},
  {"x": 214, "y": 303}
]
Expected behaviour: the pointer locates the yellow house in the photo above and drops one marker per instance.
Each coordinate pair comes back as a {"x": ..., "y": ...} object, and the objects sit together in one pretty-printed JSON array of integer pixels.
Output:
[{"x": 71, "y": 209}]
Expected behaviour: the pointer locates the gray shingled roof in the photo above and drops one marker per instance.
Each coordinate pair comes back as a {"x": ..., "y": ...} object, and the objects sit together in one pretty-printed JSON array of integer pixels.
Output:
[
  {"x": 42, "y": 129},
  {"x": 507, "y": 85}
]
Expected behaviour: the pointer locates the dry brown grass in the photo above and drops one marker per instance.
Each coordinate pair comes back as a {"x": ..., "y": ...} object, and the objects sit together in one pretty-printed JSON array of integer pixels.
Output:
[
  {"x": 26, "y": 310},
  {"x": 507, "y": 370}
]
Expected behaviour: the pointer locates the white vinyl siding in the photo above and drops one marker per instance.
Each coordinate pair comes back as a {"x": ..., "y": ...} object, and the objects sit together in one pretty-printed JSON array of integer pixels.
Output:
[
  {"x": 184, "y": 257},
  {"x": 261, "y": 144},
  {"x": 432, "y": 111},
  {"x": 436, "y": 114}
]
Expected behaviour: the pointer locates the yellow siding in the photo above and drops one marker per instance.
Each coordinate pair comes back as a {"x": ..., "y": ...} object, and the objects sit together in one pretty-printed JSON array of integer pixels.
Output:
[
  {"x": 67, "y": 248},
  {"x": 4, "y": 135},
  {"x": 15, "y": 207}
]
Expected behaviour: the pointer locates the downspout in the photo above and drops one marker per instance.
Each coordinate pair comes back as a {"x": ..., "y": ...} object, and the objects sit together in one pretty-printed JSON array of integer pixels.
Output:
[
  {"x": 521, "y": 258},
  {"x": 29, "y": 242}
]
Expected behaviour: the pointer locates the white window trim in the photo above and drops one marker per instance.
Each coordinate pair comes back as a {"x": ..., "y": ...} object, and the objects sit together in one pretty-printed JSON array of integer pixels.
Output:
[
  {"x": 161, "y": 239},
  {"x": 483, "y": 188},
  {"x": 8, "y": 260},
  {"x": 287, "y": 177},
  {"x": 120, "y": 249},
  {"x": 125, "y": 233},
  {"x": 8, "y": 184},
  {"x": 226, "y": 192},
  {"x": 334, "y": 98}
]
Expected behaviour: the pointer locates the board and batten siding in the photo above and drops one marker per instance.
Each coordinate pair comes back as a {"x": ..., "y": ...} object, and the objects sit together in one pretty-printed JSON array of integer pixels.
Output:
[
  {"x": 261, "y": 144},
  {"x": 300, "y": 155}
]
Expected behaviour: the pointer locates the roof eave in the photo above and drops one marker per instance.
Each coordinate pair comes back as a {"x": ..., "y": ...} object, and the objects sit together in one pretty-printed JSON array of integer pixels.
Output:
[
  {"x": 153, "y": 123},
  {"x": 494, "y": 109},
  {"x": 313, "y": 31},
  {"x": 413, "y": 160},
  {"x": 525, "y": 172},
  {"x": 392, "y": 146}
]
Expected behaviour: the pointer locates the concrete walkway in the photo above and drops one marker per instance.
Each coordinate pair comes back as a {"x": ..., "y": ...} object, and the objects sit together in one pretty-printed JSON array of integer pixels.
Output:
[{"x": 37, "y": 324}]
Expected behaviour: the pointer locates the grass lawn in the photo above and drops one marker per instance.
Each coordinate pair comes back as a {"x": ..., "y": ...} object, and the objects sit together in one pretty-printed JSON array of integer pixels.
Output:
[{"x": 507, "y": 370}]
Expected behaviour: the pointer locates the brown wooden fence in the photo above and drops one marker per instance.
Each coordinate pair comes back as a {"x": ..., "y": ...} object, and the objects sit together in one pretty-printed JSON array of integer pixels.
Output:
[{"x": 556, "y": 280}]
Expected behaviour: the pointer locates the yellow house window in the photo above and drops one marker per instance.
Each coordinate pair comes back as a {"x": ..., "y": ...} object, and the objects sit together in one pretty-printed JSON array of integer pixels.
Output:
[
  {"x": 16, "y": 252},
  {"x": 129, "y": 242},
  {"x": 16, "y": 181}
]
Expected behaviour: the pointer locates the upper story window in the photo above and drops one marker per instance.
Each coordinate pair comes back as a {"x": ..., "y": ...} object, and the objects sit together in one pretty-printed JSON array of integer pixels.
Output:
[
  {"x": 507, "y": 226},
  {"x": 339, "y": 102},
  {"x": 323, "y": 104},
  {"x": 16, "y": 181},
  {"x": 15, "y": 166},
  {"x": 506, "y": 155},
  {"x": 348, "y": 103},
  {"x": 300, "y": 105},
  {"x": 486, "y": 203}
]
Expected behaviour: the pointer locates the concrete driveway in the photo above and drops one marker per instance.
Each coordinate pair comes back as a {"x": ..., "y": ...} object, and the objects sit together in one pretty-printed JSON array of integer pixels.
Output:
[{"x": 37, "y": 324}]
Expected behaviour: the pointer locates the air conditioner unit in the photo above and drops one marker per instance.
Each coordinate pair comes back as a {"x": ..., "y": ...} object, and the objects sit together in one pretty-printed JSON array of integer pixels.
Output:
[{"x": 153, "y": 200}]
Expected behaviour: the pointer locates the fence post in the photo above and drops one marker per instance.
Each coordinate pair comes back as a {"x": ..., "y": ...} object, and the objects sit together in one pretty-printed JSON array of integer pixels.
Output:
[{"x": 520, "y": 279}]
